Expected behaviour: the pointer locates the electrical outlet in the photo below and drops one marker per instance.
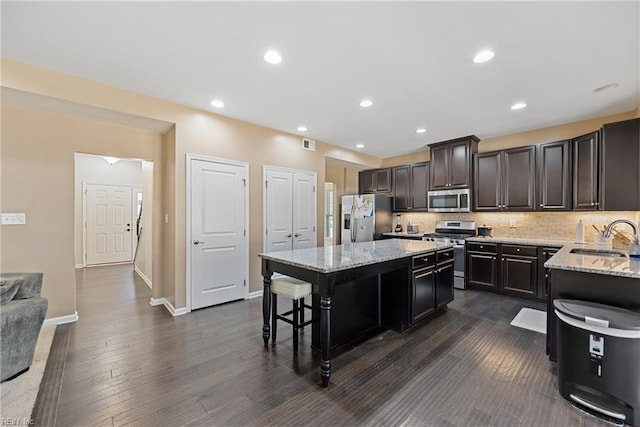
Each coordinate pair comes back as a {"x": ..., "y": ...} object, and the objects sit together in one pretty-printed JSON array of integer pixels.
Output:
[
  {"x": 513, "y": 223},
  {"x": 14, "y": 219}
]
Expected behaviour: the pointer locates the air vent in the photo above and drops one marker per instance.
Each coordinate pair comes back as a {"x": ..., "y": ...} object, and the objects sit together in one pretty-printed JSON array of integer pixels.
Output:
[{"x": 308, "y": 144}]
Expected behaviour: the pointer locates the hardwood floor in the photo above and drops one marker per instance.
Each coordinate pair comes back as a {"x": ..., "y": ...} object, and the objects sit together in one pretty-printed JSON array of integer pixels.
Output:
[{"x": 125, "y": 362}]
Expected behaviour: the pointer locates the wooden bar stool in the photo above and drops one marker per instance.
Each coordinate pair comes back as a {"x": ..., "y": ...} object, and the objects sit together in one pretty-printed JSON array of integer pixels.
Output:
[{"x": 295, "y": 290}]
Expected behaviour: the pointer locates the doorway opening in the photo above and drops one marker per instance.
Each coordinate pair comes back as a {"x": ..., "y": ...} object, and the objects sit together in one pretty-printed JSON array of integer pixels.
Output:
[{"x": 113, "y": 213}]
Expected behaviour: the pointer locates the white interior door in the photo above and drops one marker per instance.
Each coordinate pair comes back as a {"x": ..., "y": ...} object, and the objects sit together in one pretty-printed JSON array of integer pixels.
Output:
[
  {"x": 304, "y": 210},
  {"x": 219, "y": 260},
  {"x": 279, "y": 205},
  {"x": 108, "y": 224}
]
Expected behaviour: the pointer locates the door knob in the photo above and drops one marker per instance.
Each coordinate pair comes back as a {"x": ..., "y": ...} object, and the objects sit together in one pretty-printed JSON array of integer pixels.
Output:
[{"x": 197, "y": 242}]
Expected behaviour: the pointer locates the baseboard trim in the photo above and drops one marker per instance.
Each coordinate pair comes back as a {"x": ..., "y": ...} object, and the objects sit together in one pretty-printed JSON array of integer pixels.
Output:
[
  {"x": 61, "y": 320},
  {"x": 167, "y": 304},
  {"x": 255, "y": 294},
  {"x": 143, "y": 277}
]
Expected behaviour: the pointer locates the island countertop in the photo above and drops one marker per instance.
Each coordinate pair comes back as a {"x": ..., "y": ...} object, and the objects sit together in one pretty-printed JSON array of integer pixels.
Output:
[
  {"x": 328, "y": 259},
  {"x": 565, "y": 260}
]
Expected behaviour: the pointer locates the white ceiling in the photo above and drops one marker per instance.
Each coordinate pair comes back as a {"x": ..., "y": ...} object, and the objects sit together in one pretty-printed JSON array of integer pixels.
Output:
[{"x": 413, "y": 59}]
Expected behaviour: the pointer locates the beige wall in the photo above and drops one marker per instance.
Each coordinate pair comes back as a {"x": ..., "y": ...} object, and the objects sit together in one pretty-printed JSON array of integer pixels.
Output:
[
  {"x": 144, "y": 259},
  {"x": 38, "y": 178},
  {"x": 550, "y": 134},
  {"x": 196, "y": 132}
]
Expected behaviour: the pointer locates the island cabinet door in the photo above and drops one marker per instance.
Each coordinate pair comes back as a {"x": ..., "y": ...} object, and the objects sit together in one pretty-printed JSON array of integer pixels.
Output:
[
  {"x": 444, "y": 285},
  {"x": 424, "y": 293}
]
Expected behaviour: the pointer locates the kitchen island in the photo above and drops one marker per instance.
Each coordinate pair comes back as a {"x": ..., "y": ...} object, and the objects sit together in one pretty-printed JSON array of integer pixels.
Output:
[
  {"x": 604, "y": 279},
  {"x": 407, "y": 262}
]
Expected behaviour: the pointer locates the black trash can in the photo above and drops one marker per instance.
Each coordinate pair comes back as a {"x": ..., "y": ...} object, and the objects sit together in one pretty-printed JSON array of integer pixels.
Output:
[{"x": 599, "y": 359}]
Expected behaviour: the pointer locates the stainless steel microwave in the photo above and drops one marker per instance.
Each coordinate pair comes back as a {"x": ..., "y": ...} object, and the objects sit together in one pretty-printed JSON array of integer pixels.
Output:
[{"x": 450, "y": 200}]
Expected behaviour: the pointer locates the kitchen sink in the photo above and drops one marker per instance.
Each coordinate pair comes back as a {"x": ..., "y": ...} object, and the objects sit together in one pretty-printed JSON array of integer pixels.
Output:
[{"x": 599, "y": 252}]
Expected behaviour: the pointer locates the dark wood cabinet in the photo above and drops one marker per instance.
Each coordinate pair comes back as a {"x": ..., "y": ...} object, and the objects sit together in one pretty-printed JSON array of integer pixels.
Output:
[
  {"x": 410, "y": 184},
  {"x": 383, "y": 180},
  {"x": 444, "y": 284},
  {"x": 482, "y": 266},
  {"x": 543, "y": 273},
  {"x": 619, "y": 166},
  {"x": 375, "y": 181},
  {"x": 507, "y": 269},
  {"x": 554, "y": 176},
  {"x": 401, "y": 188},
  {"x": 366, "y": 182},
  {"x": 505, "y": 180},
  {"x": 424, "y": 293},
  {"x": 519, "y": 270},
  {"x": 585, "y": 172},
  {"x": 451, "y": 163},
  {"x": 487, "y": 181}
]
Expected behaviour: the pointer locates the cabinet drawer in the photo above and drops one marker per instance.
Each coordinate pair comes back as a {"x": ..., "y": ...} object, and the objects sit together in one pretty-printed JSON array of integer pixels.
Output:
[
  {"x": 520, "y": 250},
  {"x": 424, "y": 260},
  {"x": 444, "y": 256},
  {"x": 482, "y": 247}
]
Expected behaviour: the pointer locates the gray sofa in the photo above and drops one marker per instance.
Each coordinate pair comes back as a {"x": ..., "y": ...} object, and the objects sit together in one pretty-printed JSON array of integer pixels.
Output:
[{"x": 22, "y": 312}]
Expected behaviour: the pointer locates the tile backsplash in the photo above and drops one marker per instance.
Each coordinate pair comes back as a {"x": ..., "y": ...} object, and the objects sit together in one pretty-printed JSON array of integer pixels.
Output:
[{"x": 551, "y": 225}]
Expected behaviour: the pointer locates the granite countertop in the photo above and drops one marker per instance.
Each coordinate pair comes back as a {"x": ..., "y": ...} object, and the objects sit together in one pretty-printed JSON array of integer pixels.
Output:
[
  {"x": 328, "y": 259},
  {"x": 417, "y": 236},
  {"x": 565, "y": 260},
  {"x": 535, "y": 241}
]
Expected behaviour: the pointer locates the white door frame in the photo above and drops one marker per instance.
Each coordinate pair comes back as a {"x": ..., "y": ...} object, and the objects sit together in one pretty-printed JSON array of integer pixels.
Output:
[
  {"x": 264, "y": 197},
  {"x": 244, "y": 165},
  {"x": 84, "y": 218}
]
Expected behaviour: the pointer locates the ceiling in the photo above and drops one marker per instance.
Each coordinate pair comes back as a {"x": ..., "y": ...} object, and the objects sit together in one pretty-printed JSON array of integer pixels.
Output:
[{"x": 412, "y": 59}]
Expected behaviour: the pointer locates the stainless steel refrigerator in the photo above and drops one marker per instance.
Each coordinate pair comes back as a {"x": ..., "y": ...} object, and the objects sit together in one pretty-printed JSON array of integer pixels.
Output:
[{"x": 365, "y": 217}]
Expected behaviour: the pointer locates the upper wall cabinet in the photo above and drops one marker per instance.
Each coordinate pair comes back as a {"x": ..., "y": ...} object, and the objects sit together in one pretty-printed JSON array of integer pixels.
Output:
[
  {"x": 620, "y": 166},
  {"x": 375, "y": 181},
  {"x": 505, "y": 180},
  {"x": 410, "y": 184},
  {"x": 585, "y": 172},
  {"x": 554, "y": 176},
  {"x": 451, "y": 163}
]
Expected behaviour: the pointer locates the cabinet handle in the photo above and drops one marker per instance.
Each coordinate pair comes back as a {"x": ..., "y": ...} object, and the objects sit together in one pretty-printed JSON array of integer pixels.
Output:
[
  {"x": 517, "y": 249},
  {"x": 297, "y": 235},
  {"x": 425, "y": 259},
  {"x": 593, "y": 204},
  {"x": 493, "y": 258},
  {"x": 541, "y": 205},
  {"x": 597, "y": 204},
  {"x": 481, "y": 247},
  {"x": 544, "y": 253}
]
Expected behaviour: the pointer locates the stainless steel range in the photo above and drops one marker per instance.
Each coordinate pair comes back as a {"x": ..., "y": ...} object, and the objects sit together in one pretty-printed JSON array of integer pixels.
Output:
[{"x": 454, "y": 232}]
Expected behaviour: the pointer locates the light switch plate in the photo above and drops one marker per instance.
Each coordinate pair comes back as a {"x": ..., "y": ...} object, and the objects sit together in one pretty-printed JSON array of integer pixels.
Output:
[
  {"x": 513, "y": 223},
  {"x": 14, "y": 219}
]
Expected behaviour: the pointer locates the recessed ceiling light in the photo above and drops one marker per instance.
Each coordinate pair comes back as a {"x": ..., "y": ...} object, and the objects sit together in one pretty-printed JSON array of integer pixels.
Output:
[
  {"x": 359, "y": 145},
  {"x": 518, "y": 105},
  {"x": 302, "y": 128},
  {"x": 421, "y": 130},
  {"x": 217, "y": 103},
  {"x": 366, "y": 103},
  {"x": 483, "y": 56},
  {"x": 272, "y": 57},
  {"x": 605, "y": 87}
]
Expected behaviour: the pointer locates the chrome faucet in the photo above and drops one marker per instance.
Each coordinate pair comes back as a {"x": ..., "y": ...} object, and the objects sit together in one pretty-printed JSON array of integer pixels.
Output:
[{"x": 634, "y": 247}]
